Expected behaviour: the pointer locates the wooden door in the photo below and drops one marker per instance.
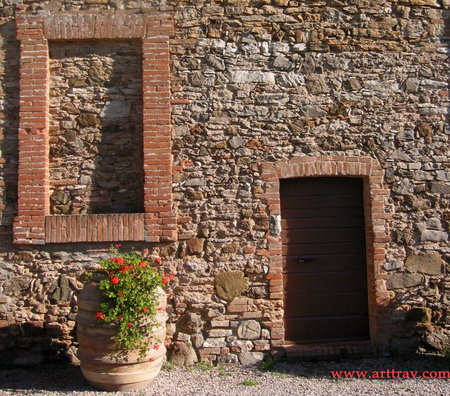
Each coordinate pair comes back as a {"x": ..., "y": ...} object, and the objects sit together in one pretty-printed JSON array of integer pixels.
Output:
[{"x": 324, "y": 260}]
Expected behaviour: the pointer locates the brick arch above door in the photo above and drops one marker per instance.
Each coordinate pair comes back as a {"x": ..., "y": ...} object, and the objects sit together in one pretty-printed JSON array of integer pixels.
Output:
[{"x": 376, "y": 219}]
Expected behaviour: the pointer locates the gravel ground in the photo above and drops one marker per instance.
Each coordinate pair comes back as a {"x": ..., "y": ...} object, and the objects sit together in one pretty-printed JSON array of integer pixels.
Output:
[{"x": 284, "y": 379}]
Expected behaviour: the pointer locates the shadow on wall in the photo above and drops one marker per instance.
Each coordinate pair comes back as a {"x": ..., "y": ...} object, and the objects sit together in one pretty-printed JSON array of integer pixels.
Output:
[
  {"x": 46, "y": 296},
  {"x": 9, "y": 124},
  {"x": 424, "y": 201},
  {"x": 96, "y": 142},
  {"x": 46, "y": 335}
]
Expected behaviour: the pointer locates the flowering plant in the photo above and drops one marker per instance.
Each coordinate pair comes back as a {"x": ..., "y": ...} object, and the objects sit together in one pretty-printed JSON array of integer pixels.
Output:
[{"x": 129, "y": 295}]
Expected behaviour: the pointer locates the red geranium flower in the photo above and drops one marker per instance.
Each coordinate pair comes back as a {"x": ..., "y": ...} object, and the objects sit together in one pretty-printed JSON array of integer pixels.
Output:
[
  {"x": 129, "y": 324},
  {"x": 158, "y": 260},
  {"x": 145, "y": 251},
  {"x": 114, "y": 280},
  {"x": 120, "y": 261},
  {"x": 142, "y": 264},
  {"x": 150, "y": 360},
  {"x": 113, "y": 259},
  {"x": 118, "y": 245},
  {"x": 172, "y": 276},
  {"x": 94, "y": 285},
  {"x": 99, "y": 315},
  {"x": 156, "y": 347},
  {"x": 165, "y": 281},
  {"x": 120, "y": 316},
  {"x": 124, "y": 269},
  {"x": 120, "y": 294},
  {"x": 145, "y": 309}
]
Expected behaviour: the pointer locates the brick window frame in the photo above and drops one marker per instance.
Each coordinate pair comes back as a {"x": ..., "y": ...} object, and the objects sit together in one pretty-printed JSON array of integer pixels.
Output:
[
  {"x": 376, "y": 224},
  {"x": 33, "y": 223}
]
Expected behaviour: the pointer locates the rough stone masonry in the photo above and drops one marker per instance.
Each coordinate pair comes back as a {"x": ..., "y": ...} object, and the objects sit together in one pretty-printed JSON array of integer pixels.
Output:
[{"x": 259, "y": 91}]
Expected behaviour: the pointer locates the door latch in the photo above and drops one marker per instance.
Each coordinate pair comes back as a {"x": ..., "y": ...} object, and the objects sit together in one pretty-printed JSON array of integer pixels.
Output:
[{"x": 305, "y": 260}]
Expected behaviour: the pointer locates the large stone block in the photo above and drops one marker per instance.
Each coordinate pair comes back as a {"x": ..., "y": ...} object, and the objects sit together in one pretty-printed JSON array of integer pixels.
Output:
[
  {"x": 60, "y": 290},
  {"x": 215, "y": 62},
  {"x": 403, "y": 280},
  {"x": 183, "y": 354},
  {"x": 230, "y": 359},
  {"x": 197, "y": 265},
  {"x": 250, "y": 358},
  {"x": 230, "y": 285},
  {"x": 438, "y": 340},
  {"x": 317, "y": 85},
  {"x": 87, "y": 120},
  {"x": 215, "y": 343},
  {"x": 428, "y": 263},
  {"x": 433, "y": 236},
  {"x": 405, "y": 187},
  {"x": 423, "y": 3},
  {"x": 291, "y": 80},
  {"x": 190, "y": 322},
  {"x": 246, "y": 77},
  {"x": 249, "y": 330},
  {"x": 195, "y": 245},
  {"x": 235, "y": 142},
  {"x": 439, "y": 188},
  {"x": 392, "y": 265},
  {"x": 281, "y": 62}
]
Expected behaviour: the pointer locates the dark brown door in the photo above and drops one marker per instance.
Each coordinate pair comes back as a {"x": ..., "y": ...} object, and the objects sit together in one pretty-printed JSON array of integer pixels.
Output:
[{"x": 324, "y": 260}]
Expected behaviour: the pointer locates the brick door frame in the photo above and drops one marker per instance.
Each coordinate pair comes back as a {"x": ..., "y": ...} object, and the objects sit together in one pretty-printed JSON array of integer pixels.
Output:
[
  {"x": 376, "y": 220},
  {"x": 33, "y": 223}
]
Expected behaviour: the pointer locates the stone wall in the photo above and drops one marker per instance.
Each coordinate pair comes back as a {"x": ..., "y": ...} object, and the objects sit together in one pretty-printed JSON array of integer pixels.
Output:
[{"x": 256, "y": 85}]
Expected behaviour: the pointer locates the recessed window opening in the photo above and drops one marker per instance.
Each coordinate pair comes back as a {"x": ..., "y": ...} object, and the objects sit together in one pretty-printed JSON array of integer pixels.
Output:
[{"x": 96, "y": 127}]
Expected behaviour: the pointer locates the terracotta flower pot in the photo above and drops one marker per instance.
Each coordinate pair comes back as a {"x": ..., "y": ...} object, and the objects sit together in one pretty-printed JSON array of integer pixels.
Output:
[{"x": 97, "y": 343}]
